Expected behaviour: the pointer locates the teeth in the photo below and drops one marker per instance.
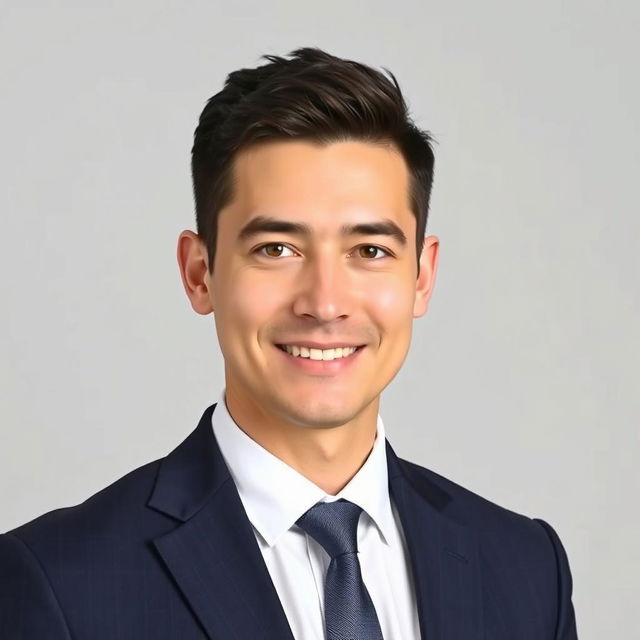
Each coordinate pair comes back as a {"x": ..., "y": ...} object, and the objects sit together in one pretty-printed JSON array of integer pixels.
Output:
[{"x": 319, "y": 354}]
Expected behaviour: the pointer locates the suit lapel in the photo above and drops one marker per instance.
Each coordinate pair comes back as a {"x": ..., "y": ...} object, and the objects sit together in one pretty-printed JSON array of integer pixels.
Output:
[
  {"x": 443, "y": 553},
  {"x": 213, "y": 555}
]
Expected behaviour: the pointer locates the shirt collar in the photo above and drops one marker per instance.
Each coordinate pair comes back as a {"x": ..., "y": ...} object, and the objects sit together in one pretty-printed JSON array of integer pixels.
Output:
[{"x": 273, "y": 506}]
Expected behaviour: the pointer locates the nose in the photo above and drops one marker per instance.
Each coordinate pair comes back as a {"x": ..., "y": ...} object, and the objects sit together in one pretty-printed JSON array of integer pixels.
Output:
[{"x": 325, "y": 292}]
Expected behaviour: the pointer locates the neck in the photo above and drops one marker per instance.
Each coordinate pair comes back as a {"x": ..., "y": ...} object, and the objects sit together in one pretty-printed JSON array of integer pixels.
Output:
[{"x": 327, "y": 456}]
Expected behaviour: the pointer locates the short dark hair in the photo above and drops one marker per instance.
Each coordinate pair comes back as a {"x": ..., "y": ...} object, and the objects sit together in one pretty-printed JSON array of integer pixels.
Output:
[{"x": 312, "y": 96}]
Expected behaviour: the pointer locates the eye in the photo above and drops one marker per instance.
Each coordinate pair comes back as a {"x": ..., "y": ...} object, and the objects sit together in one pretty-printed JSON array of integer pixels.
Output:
[
  {"x": 273, "y": 250},
  {"x": 368, "y": 251}
]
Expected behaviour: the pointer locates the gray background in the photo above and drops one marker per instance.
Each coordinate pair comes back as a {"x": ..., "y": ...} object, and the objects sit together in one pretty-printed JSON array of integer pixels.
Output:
[{"x": 522, "y": 380}]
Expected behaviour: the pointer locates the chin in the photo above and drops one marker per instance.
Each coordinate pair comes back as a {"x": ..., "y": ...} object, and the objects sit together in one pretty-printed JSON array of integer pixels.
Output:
[{"x": 319, "y": 414}]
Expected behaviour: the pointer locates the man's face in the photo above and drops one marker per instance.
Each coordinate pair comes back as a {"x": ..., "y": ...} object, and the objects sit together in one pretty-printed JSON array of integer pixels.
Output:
[{"x": 317, "y": 251}]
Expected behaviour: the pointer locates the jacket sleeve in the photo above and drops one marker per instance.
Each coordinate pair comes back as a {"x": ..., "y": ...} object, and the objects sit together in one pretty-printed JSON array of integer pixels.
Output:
[
  {"x": 566, "y": 625},
  {"x": 29, "y": 609}
]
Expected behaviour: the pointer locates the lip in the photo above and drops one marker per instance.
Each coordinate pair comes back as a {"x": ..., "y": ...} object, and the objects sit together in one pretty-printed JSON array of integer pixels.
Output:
[{"x": 321, "y": 367}]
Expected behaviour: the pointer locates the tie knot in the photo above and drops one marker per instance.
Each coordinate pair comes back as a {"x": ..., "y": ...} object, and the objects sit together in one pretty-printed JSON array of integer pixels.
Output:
[{"x": 334, "y": 525}]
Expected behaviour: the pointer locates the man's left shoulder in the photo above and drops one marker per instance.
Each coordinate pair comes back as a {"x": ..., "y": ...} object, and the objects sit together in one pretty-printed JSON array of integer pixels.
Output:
[
  {"x": 521, "y": 559},
  {"x": 501, "y": 532}
]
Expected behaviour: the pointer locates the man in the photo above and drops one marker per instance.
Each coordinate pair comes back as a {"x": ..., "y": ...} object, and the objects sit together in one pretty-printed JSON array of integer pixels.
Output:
[{"x": 286, "y": 514}]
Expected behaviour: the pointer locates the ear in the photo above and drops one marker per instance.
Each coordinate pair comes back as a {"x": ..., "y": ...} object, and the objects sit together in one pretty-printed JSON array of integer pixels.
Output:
[
  {"x": 193, "y": 263},
  {"x": 427, "y": 276}
]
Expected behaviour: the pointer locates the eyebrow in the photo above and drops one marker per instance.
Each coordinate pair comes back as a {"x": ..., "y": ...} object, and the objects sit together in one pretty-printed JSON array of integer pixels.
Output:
[{"x": 267, "y": 224}]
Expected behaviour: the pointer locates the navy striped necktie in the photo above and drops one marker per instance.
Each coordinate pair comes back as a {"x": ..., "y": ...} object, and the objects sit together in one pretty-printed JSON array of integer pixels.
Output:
[{"x": 349, "y": 613}]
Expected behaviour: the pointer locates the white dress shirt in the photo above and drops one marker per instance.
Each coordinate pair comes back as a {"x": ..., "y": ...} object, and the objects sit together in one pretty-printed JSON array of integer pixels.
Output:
[{"x": 275, "y": 495}]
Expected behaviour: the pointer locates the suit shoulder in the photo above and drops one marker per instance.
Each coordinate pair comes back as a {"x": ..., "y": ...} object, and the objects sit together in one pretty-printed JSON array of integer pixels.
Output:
[
  {"x": 102, "y": 514},
  {"x": 522, "y": 556},
  {"x": 489, "y": 520}
]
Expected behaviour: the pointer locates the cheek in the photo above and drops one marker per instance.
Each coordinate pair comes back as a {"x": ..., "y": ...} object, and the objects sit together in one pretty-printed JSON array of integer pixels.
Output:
[
  {"x": 392, "y": 303},
  {"x": 248, "y": 303}
]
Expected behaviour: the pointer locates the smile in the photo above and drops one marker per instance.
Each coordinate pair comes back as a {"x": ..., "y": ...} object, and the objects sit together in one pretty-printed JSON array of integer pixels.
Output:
[
  {"x": 335, "y": 353},
  {"x": 320, "y": 362}
]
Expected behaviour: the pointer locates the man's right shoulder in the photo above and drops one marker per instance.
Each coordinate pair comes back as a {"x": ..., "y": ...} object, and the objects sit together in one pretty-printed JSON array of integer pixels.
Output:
[
  {"x": 55, "y": 568},
  {"x": 117, "y": 510}
]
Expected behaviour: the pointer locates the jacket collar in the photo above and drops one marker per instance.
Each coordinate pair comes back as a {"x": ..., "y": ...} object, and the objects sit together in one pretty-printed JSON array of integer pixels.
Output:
[
  {"x": 191, "y": 474},
  {"x": 215, "y": 559}
]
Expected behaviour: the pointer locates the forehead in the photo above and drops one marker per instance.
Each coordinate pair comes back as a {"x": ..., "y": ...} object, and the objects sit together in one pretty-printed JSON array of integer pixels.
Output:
[{"x": 322, "y": 184}]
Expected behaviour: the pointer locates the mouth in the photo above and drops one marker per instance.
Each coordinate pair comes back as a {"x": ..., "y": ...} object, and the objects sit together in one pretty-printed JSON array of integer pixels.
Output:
[
  {"x": 313, "y": 353},
  {"x": 309, "y": 360}
]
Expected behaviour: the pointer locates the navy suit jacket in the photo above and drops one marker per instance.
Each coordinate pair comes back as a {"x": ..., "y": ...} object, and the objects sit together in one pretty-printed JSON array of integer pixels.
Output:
[{"x": 167, "y": 551}]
